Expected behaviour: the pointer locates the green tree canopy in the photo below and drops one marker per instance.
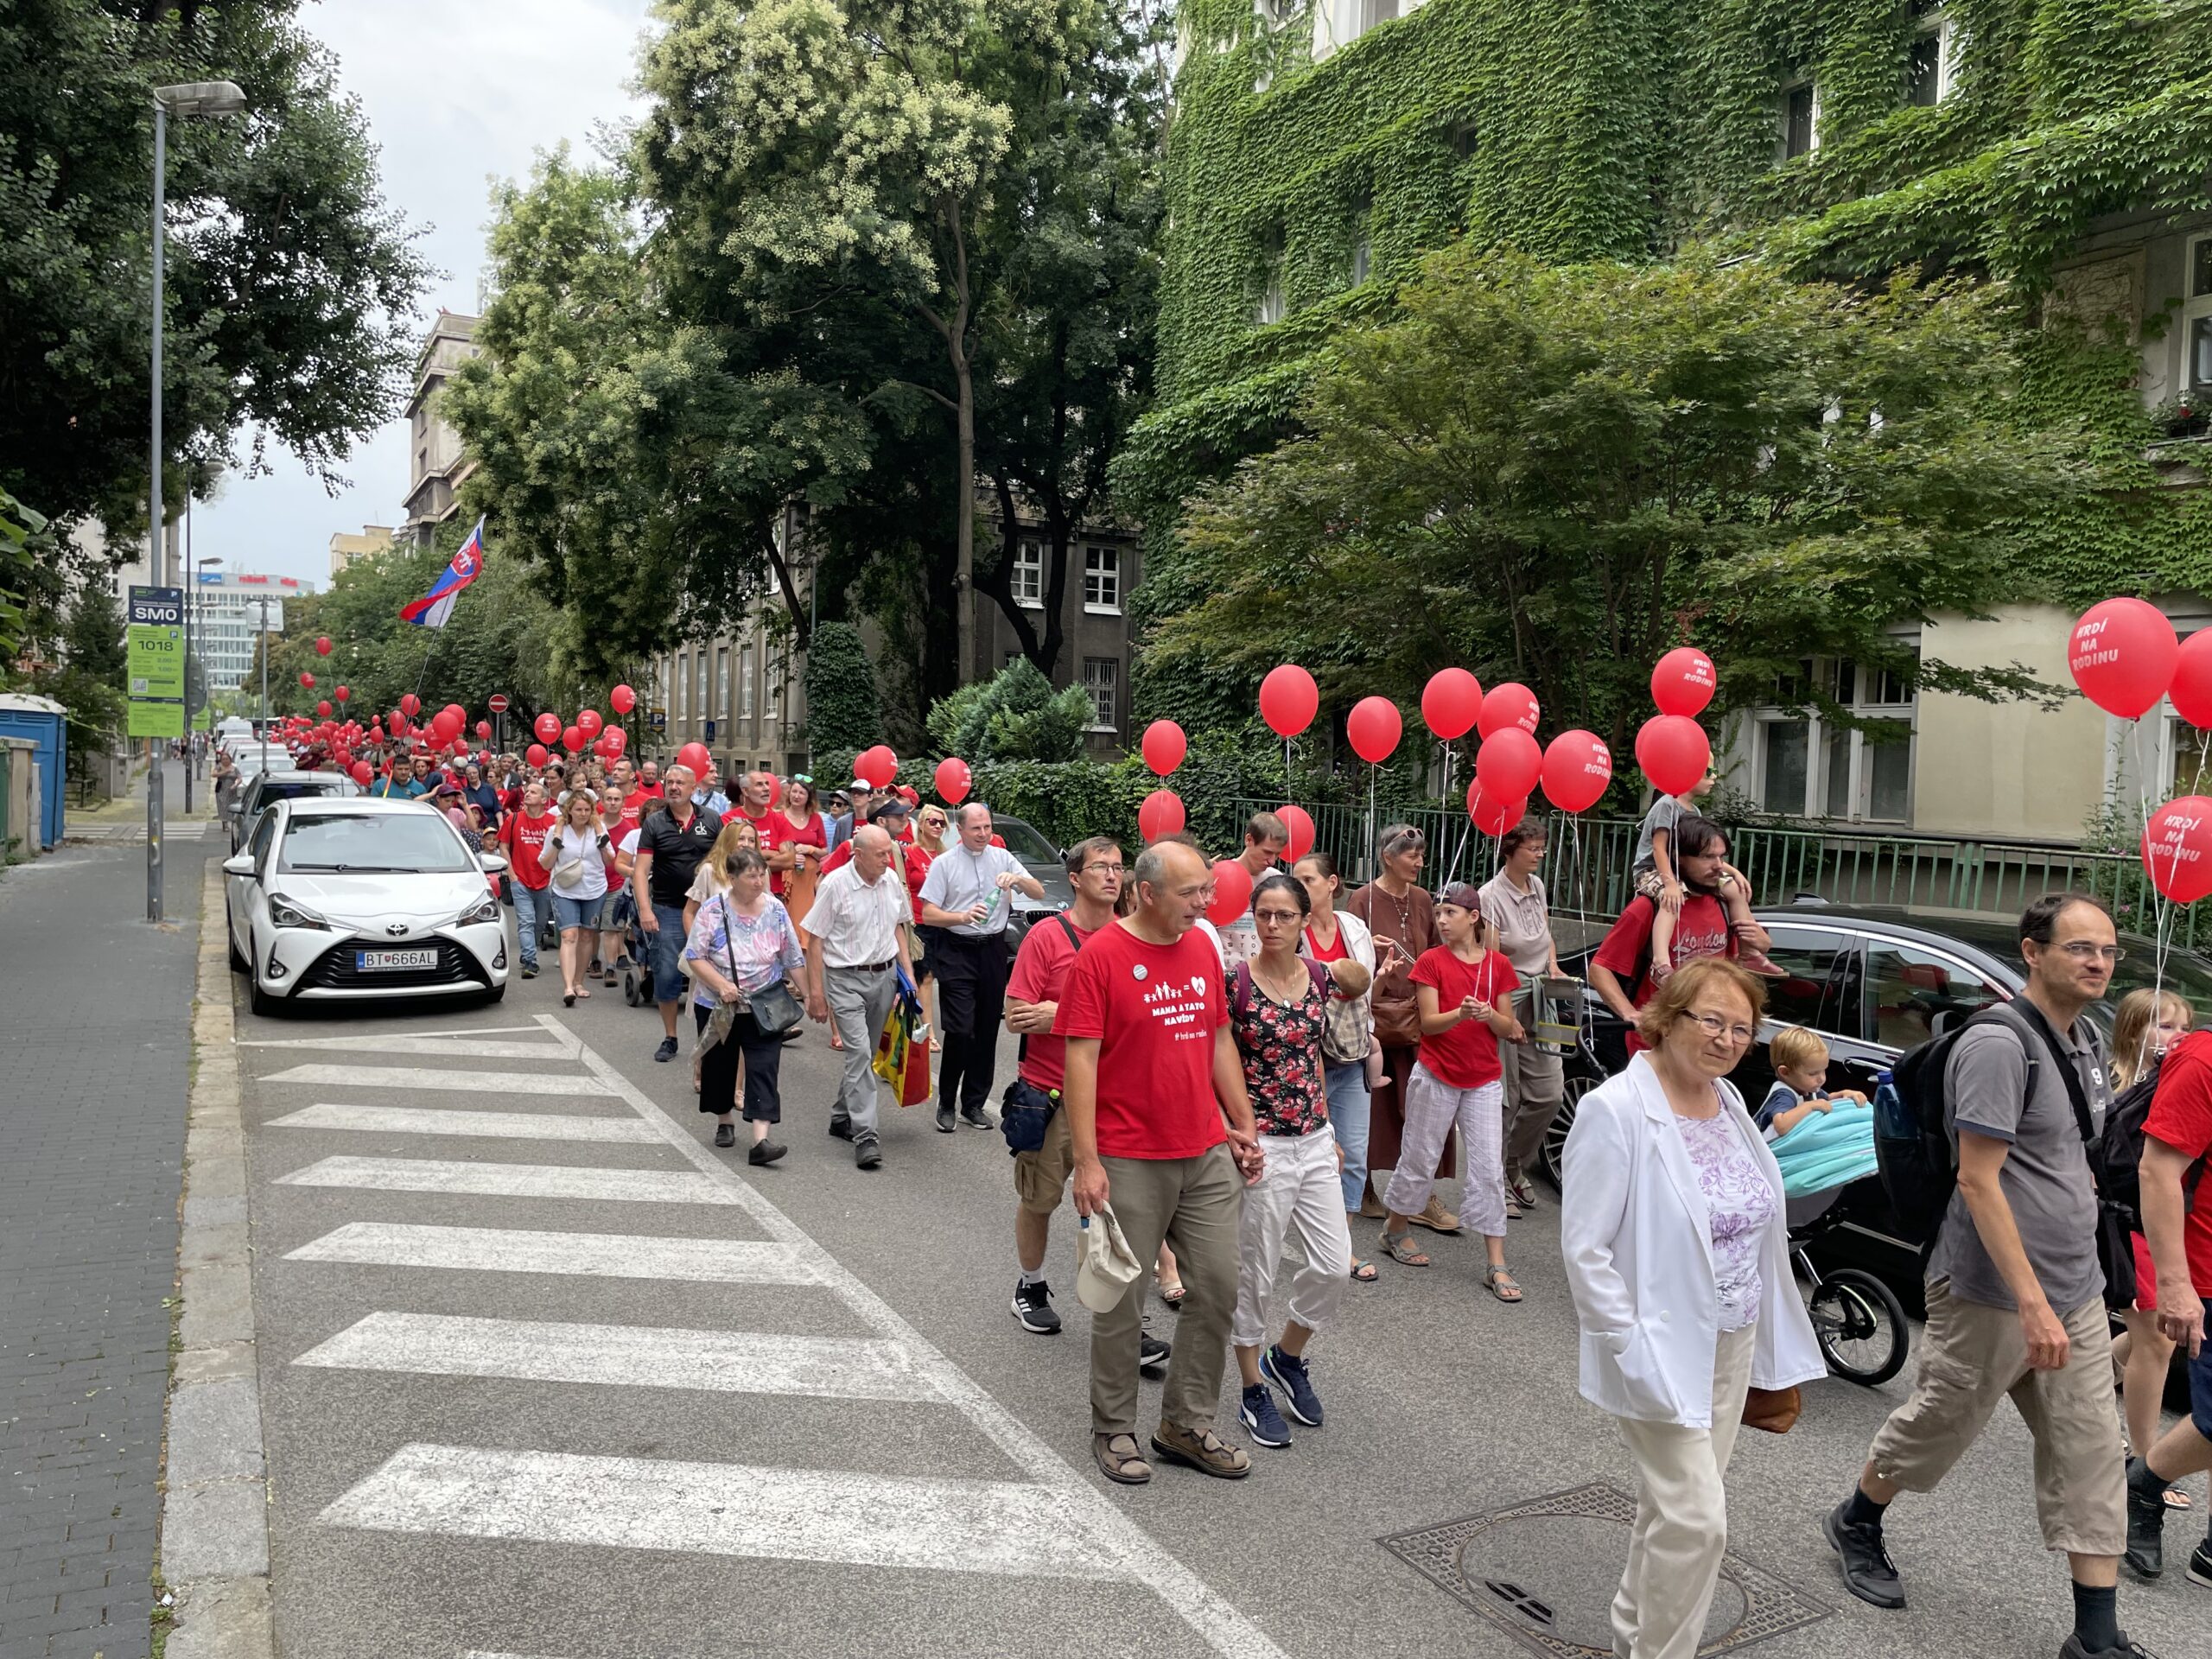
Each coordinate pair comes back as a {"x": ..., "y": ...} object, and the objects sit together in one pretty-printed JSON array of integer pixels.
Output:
[
  {"x": 1555, "y": 474},
  {"x": 1013, "y": 716},
  {"x": 291, "y": 285}
]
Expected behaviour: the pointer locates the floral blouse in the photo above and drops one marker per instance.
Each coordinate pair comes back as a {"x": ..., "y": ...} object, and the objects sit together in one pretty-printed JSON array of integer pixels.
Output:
[
  {"x": 1739, "y": 1201},
  {"x": 1281, "y": 1046},
  {"x": 764, "y": 948}
]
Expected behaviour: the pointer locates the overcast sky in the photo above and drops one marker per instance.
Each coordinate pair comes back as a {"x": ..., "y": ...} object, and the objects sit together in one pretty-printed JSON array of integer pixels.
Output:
[{"x": 457, "y": 93}]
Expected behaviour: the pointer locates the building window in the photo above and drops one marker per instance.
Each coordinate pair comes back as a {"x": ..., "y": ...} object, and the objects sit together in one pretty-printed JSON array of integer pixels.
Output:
[
  {"x": 2196, "y": 316},
  {"x": 1801, "y": 120},
  {"x": 1363, "y": 240},
  {"x": 744, "y": 682},
  {"x": 1029, "y": 573},
  {"x": 1102, "y": 580},
  {"x": 1930, "y": 68},
  {"x": 1373, "y": 12},
  {"x": 1102, "y": 677},
  {"x": 776, "y": 691},
  {"x": 1812, "y": 768},
  {"x": 1271, "y": 307},
  {"x": 683, "y": 685}
]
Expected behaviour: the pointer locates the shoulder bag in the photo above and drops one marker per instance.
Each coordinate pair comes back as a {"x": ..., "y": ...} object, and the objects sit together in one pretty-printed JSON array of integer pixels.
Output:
[{"x": 775, "y": 1009}]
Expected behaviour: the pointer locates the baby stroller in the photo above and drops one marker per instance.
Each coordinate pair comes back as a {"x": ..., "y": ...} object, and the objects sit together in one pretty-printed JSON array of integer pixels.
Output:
[{"x": 1857, "y": 1319}]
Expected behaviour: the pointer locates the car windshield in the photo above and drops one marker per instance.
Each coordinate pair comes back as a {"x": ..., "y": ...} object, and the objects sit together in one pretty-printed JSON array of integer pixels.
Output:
[
  {"x": 363, "y": 843},
  {"x": 1024, "y": 843},
  {"x": 301, "y": 789}
]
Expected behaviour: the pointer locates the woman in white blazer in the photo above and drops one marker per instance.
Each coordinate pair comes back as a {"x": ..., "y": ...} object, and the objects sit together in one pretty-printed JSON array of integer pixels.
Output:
[{"x": 1678, "y": 1257}]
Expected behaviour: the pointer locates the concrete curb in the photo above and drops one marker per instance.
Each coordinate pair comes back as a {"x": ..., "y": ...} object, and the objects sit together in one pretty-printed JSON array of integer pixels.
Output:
[{"x": 215, "y": 1486}]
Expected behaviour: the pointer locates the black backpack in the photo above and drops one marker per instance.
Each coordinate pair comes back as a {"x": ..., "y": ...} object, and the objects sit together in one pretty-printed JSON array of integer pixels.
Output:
[
  {"x": 1913, "y": 1148},
  {"x": 2118, "y": 1152}
]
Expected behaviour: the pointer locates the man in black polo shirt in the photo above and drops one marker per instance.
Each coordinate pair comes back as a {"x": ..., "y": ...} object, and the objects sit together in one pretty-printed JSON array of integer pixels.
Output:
[{"x": 672, "y": 839}]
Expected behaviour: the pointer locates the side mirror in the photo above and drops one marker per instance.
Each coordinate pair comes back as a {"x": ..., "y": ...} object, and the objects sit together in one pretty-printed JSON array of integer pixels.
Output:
[
  {"x": 241, "y": 865},
  {"x": 491, "y": 863}
]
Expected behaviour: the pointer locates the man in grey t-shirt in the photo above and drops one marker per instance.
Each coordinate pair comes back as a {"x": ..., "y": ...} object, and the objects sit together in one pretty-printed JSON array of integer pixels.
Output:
[{"x": 2015, "y": 1296}]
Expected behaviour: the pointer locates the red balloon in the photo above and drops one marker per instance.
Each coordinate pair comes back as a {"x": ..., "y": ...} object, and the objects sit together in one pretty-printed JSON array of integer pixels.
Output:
[
  {"x": 876, "y": 766},
  {"x": 446, "y": 726},
  {"x": 536, "y": 755},
  {"x": 623, "y": 699},
  {"x": 1507, "y": 763},
  {"x": 342, "y": 693},
  {"x": 1451, "y": 702},
  {"x": 616, "y": 739},
  {"x": 1299, "y": 823},
  {"x": 483, "y": 729},
  {"x": 953, "y": 778},
  {"x": 361, "y": 772},
  {"x": 1674, "y": 752},
  {"x": 323, "y": 646},
  {"x": 307, "y": 680},
  {"x": 1161, "y": 814},
  {"x": 696, "y": 757},
  {"x": 2192, "y": 687},
  {"x": 1232, "y": 891},
  {"x": 572, "y": 740},
  {"x": 2122, "y": 654},
  {"x": 1165, "y": 746},
  {"x": 1684, "y": 681},
  {"x": 1578, "y": 767},
  {"x": 547, "y": 728},
  {"x": 1374, "y": 728},
  {"x": 2177, "y": 848},
  {"x": 323, "y": 708},
  {"x": 1288, "y": 699},
  {"x": 1509, "y": 703},
  {"x": 410, "y": 705},
  {"x": 1493, "y": 816},
  {"x": 589, "y": 724}
]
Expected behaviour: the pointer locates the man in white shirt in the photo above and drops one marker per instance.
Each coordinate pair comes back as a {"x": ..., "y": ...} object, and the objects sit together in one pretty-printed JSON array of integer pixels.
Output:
[
  {"x": 855, "y": 931},
  {"x": 968, "y": 893}
]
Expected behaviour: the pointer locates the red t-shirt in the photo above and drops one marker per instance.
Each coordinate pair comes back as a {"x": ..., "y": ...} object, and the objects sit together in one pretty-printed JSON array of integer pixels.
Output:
[
  {"x": 1467, "y": 1055},
  {"x": 1156, "y": 1008},
  {"x": 781, "y": 832},
  {"x": 918, "y": 860},
  {"x": 1040, "y": 975},
  {"x": 1701, "y": 930},
  {"x": 2180, "y": 1116},
  {"x": 525, "y": 840},
  {"x": 760, "y": 825},
  {"x": 1334, "y": 953}
]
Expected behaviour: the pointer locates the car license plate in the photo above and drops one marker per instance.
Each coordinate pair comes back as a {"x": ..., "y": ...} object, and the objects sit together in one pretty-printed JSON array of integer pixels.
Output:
[{"x": 370, "y": 962}]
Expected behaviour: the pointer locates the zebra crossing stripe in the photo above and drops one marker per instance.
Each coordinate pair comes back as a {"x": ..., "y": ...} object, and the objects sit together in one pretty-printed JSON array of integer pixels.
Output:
[
  {"x": 403, "y": 1079},
  {"x": 507, "y": 1126},
  {"x": 514, "y": 1180},
  {"x": 625, "y": 1356},
  {"x": 601, "y": 1255},
  {"x": 1011, "y": 1528}
]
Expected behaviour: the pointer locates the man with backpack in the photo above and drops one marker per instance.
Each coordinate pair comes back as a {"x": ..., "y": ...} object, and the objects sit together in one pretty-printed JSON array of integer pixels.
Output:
[
  {"x": 2016, "y": 1303},
  {"x": 2177, "y": 1222}
]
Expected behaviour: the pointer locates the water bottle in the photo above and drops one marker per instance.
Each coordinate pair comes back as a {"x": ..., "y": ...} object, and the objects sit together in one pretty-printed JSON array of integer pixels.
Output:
[{"x": 991, "y": 906}]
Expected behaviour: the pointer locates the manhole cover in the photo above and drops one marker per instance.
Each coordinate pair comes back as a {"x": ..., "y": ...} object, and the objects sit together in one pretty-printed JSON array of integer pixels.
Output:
[{"x": 1545, "y": 1571}]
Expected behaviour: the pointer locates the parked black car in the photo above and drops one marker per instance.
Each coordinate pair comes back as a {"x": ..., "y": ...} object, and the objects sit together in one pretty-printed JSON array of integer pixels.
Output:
[
  {"x": 1873, "y": 982},
  {"x": 1042, "y": 860}
]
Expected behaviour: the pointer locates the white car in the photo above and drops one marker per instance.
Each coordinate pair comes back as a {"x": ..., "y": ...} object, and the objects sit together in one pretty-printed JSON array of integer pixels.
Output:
[{"x": 348, "y": 899}]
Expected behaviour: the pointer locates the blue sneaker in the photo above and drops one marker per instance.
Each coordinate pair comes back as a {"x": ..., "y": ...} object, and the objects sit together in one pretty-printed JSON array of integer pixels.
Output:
[
  {"x": 1288, "y": 1374},
  {"x": 1260, "y": 1418}
]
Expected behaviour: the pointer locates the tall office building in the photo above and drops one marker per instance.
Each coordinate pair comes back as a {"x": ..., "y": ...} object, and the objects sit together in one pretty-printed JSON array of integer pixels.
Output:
[{"x": 232, "y": 615}]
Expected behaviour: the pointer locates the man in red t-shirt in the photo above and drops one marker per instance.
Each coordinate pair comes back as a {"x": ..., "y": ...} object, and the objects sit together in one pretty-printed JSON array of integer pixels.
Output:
[
  {"x": 1624, "y": 956},
  {"x": 522, "y": 834},
  {"x": 1033, "y": 1001},
  {"x": 2176, "y": 1205},
  {"x": 1152, "y": 1073}
]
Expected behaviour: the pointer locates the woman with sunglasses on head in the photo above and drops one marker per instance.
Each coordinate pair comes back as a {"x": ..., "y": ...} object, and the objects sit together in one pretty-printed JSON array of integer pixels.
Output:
[
  {"x": 1465, "y": 992},
  {"x": 1402, "y": 923},
  {"x": 1677, "y": 1253}
]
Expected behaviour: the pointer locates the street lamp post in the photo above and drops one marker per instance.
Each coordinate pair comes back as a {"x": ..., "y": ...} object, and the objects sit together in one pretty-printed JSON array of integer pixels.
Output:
[{"x": 186, "y": 98}]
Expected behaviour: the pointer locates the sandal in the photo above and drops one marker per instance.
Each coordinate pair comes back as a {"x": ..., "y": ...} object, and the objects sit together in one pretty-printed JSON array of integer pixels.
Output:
[
  {"x": 1173, "y": 1293},
  {"x": 1363, "y": 1271},
  {"x": 1500, "y": 1284},
  {"x": 1400, "y": 1247},
  {"x": 1127, "y": 1468},
  {"x": 1523, "y": 1190},
  {"x": 2177, "y": 1499}
]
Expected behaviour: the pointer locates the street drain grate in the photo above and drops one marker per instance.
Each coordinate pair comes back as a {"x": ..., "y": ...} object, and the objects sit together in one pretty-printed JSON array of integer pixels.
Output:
[{"x": 1544, "y": 1572}]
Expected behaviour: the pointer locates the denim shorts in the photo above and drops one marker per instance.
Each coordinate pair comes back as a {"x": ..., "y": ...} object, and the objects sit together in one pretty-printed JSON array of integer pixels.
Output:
[
  {"x": 2200, "y": 1385},
  {"x": 575, "y": 912},
  {"x": 665, "y": 947}
]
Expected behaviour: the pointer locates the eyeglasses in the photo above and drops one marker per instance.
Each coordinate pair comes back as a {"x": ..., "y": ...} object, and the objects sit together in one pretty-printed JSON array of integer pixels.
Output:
[
  {"x": 1103, "y": 869},
  {"x": 2082, "y": 950},
  {"x": 1713, "y": 1026},
  {"x": 1280, "y": 917}
]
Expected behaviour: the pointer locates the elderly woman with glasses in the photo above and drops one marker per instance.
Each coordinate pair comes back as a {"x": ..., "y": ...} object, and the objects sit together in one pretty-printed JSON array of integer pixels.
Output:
[{"x": 1678, "y": 1258}]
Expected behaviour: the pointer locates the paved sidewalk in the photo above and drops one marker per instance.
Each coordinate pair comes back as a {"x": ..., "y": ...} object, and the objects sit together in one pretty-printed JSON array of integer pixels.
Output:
[{"x": 93, "y": 1052}]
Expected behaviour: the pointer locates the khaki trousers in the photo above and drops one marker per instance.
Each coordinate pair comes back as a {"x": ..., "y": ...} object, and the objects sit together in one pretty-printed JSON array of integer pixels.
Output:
[
  {"x": 1682, "y": 1514},
  {"x": 1195, "y": 1204}
]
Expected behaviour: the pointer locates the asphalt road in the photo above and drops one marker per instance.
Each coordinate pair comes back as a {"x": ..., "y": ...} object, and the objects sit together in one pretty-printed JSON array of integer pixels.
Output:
[{"x": 543, "y": 1374}]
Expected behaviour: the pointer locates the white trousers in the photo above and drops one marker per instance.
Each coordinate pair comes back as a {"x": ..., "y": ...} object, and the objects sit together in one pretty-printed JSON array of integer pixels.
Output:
[
  {"x": 1299, "y": 1192},
  {"x": 1682, "y": 1516},
  {"x": 1433, "y": 1106}
]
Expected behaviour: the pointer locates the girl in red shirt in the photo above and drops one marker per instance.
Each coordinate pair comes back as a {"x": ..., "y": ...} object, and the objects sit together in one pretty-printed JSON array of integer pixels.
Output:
[{"x": 1465, "y": 992}]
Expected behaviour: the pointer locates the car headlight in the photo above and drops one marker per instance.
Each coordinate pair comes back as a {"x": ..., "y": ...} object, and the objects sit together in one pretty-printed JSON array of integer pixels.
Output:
[
  {"x": 486, "y": 909},
  {"x": 284, "y": 913}
]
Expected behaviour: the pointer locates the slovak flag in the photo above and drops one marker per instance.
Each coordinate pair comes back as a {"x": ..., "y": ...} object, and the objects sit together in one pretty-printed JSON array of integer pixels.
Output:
[{"x": 434, "y": 607}]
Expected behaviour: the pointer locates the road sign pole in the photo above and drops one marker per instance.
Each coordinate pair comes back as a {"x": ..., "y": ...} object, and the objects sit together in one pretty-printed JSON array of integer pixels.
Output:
[{"x": 156, "y": 562}]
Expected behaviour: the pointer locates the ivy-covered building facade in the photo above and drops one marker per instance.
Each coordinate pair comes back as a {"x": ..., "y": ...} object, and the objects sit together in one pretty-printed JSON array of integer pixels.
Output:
[{"x": 1321, "y": 148}]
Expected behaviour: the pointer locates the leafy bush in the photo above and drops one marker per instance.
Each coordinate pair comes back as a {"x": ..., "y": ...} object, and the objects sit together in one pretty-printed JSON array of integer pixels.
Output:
[
  {"x": 841, "y": 713},
  {"x": 1013, "y": 716}
]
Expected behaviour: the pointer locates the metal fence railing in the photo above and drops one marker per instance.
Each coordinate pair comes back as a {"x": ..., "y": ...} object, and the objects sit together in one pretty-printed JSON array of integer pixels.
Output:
[{"x": 1588, "y": 870}]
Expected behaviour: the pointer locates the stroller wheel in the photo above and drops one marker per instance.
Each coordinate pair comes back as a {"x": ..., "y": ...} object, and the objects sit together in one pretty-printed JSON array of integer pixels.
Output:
[{"x": 1859, "y": 1325}]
